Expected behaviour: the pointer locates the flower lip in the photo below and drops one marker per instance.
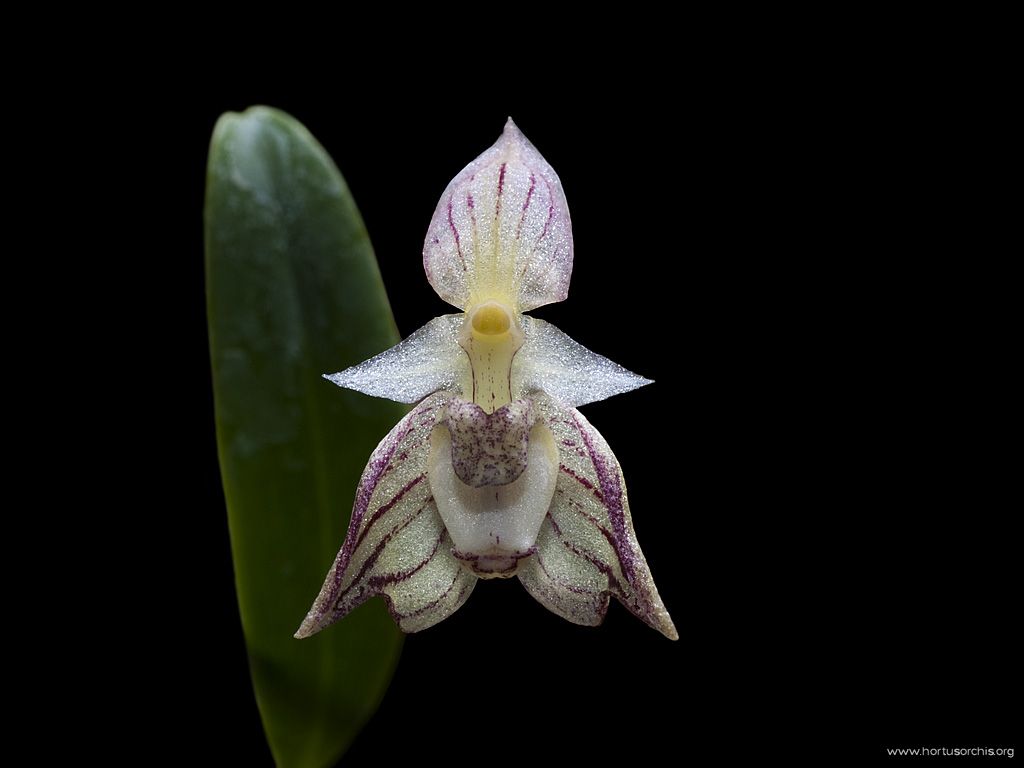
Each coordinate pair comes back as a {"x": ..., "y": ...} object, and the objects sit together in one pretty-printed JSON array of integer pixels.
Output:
[
  {"x": 496, "y": 564},
  {"x": 494, "y": 525},
  {"x": 489, "y": 448}
]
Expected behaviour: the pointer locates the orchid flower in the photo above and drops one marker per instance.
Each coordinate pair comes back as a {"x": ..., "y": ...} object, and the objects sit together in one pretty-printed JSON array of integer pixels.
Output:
[{"x": 494, "y": 473}]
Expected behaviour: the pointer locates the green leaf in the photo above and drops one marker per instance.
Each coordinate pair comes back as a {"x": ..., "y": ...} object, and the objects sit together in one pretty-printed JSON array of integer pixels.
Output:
[{"x": 293, "y": 291}]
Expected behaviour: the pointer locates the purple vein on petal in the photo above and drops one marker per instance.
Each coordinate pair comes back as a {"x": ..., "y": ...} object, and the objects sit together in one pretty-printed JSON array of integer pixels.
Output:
[
  {"x": 551, "y": 212},
  {"x": 590, "y": 519},
  {"x": 529, "y": 195},
  {"x": 590, "y": 557},
  {"x": 387, "y": 579},
  {"x": 582, "y": 481},
  {"x": 378, "y": 466},
  {"x": 455, "y": 231},
  {"x": 369, "y": 562},
  {"x": 575, "y": 589},
  {"x": 433, "y": 603},
  {"x": 611, "y": 498},
  {"x": 611, "y": 490},
  {"x": 384, "y": 508},
  {"x": 501, "y": 186}
]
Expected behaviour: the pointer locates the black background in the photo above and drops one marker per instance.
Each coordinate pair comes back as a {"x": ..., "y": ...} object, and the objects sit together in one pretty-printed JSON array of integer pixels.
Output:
[{"x": 804, "y": 475}]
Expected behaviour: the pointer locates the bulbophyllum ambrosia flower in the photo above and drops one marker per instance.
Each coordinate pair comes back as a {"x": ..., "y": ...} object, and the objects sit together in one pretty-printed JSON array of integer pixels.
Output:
[{"x": 494, "y": 473}]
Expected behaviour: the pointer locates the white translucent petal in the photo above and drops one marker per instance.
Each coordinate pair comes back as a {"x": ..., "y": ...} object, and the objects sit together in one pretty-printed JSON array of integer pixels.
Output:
[
  {"x": 551, "y": 361},
  {"x": 501, "y": 230},
  {"x": 494, "y": 526},
  {"x": 587, "y": 548},
  {"x": 396, "y": 544},
  {"x": 429, "y": 360}
]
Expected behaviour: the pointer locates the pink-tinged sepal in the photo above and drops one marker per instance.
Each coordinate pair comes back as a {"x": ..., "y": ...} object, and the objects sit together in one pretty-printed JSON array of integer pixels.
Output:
[
  {"x": 396, "y": 544},
  {"x": 501, "y": 230},
  {"x": 586, "y": 549}
]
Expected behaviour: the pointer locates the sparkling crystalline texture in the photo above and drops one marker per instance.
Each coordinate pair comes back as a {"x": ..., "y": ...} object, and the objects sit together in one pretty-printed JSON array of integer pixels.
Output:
[
  {"x": 494, "y": 473},
  {"x": 587, "y": 549},
  {"x": 412, "y": 369},
  {"x": 551, "y": 362},
  {"x": 396, "y": 544},
  {"x": 501, "y": 230}
]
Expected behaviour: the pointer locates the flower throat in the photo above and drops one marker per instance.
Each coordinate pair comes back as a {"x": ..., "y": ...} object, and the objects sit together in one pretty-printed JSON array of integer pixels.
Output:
[{"x": 491, "y": 338}]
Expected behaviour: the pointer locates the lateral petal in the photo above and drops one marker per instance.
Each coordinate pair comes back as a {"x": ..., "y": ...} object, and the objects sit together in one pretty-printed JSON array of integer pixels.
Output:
[
  {"x": 396, "y": 544},
  {"x": 428, "y": 360},
  {"x": 587, "y": 549},
  {"x": 554, "y": 362},
  {"x": 501, "y": 230}
]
